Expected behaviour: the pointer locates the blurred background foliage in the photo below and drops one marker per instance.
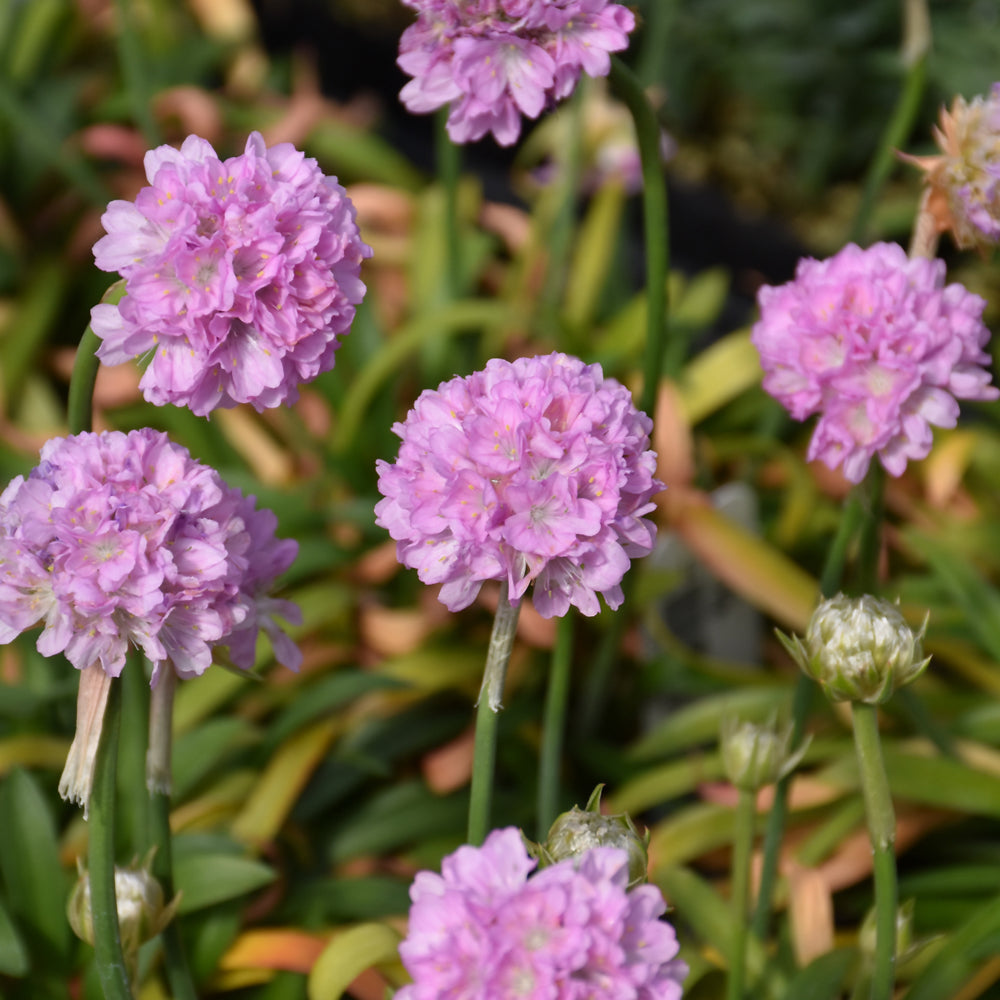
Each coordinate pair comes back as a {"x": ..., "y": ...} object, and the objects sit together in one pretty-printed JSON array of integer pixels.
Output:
[{"x": 304, "y": 803}]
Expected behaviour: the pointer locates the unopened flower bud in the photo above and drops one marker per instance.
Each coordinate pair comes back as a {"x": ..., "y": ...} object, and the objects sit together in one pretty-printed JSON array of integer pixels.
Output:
[
  {"x": 859, "y": 649},
  {"x": 142, "y": 912},
  {"x": 867, "y": 933},
  {"x": 962, "y": 179},
  {"x": 581, "y": 830},
  {"x": 757, "y": 754}
]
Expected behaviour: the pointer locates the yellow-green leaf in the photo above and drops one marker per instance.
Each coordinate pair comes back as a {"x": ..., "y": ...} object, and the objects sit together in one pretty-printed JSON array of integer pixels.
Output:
[{"x": 348, "y": 955}]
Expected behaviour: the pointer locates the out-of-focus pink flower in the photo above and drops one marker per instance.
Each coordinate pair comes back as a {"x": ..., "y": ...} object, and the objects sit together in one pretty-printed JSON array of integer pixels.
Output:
[
  {"x": 964, "y": 179},
  {"x": 494, "y": 60},
  {"x": 117, "y": 539},
  {"x": 875, "y": 343},
  {"x": 240, "y": 275},
  {"x": 537, "y": 471},
  {"x": 484, "y": 930}
]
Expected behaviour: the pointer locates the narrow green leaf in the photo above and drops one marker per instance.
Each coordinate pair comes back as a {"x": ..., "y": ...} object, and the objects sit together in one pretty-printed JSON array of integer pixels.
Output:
[
  {"x": 207, "y": 879},
  {"x": 699, "y": 722},
  {"x": 348, "y": 955},
  {"x": 943, "y": 782},
  {"x": 963, "y": 952},
  {"x": 657, "y": 785},
  {"x": 707, "y": 913},
  {"x": 29, "y": 861},
  {"x": 13, "y": 954},
  {"x": 691, "y": 832},
  {"x": 823, "y": 978},
  {"x": 200, "y": 751}
]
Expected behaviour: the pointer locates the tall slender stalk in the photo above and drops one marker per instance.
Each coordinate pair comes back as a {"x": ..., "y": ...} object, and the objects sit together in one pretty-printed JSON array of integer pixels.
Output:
[
  {"x": 657, "y": 359},
  {"x": 554, "y": 727},
  {"x": 158, "y": 782},
  {"x": 746, "y": 808},
  {"x": 882, "y": 832},
  {"x": 916, "y": 45},
  {"x": 562, "y": 227},
  {"x": 487, "y": 716},
  {"x": 851, "y": 521},
  {"x": 448, "y": 158},
  {"x": 110, "y": 959}
]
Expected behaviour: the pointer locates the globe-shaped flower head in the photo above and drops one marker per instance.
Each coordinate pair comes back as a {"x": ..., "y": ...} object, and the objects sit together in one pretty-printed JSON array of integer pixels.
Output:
[
  {"x": 240, "y": 275},
  {"x": 532, "y": 471},
  {"x": 879, "y": 347},
  {"x": 483, "y": 929},
  {"x": 123, "y": 539},
  {"x": 494, "y": 60}
]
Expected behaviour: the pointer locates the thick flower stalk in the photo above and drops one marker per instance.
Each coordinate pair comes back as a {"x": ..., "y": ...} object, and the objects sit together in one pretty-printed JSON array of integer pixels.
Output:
[
  {"x": 494, "y": 60},
  {"x": 118, "y": 540},
  {"x": 963, "y": 180},
  {"x": 240, "y": 275},
  {"x": 483, "y": 929},
  {"x": 879, "y": 347},
  {"x": 531, "y": 472}
]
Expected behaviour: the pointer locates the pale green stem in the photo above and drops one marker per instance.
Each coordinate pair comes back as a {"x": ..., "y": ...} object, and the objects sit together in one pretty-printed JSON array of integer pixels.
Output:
[
  {"x": 655, "y": 234},
  {"x": 449, "y": 169},
  {"x": 109, "y": 957},
  {"x": 746, "y": 809},
  {"x": 554, "y": 727},
  {"x": 851, "y": 521},
  {"x": 882, "y": 832},
  {"x": 158, "y": 782},
  {"x": 561, "y": 234},
  {"x": 916, "y": 44},
  {"x": 79, "y": 410},
  {"x": 487, "y": 716}
]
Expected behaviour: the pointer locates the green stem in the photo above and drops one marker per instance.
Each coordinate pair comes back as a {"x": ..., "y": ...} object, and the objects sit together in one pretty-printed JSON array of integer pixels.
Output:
[
  {"x": 742, "y": 848},
  {"x": 554, "y": 727},
  {"x": 81, "y": 383},
  {"x": 448, "y": 157},
  {"x": 654, "y": 213},
  {"x": 870, "y": 544},
  {"x": 178, "y": 972},
  {"x": 896, "y": 133},
  {"x": 133, "y": 815},
  {"x": 882, "y": 832},
  {"x": 561, "y": 232},
  {"x": 158, "y": 781},
  {"x": 109, "y": 958},
  {"x": 598, "y": 679},
  {"x": 487, "y": 716},
  {"x": 802, "y": 701},
  {"x": 830, "y": 580}
]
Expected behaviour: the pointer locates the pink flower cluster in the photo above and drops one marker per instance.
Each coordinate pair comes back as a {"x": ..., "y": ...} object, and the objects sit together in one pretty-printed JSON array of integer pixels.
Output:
[
  {"x": 483, "y": 930},
  {"x": 532, "y": 471},
  {"x": 877, "y": 345},
  {"x": 964, "y": 179},
  {"x": 494, "y": 60},
  {"x": 240, "y": 275},
  {"x": 118, "y": 539}
]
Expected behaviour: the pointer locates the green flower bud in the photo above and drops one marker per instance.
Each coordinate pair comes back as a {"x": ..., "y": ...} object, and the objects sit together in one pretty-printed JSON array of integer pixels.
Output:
[
  {"x": 757, "y": 754},
  {"x": 142, "y": 913},
  {"x": 859, "y": 649},
  {"x": 580, "y": 830},
  {"x": 905, "y": 945}
]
